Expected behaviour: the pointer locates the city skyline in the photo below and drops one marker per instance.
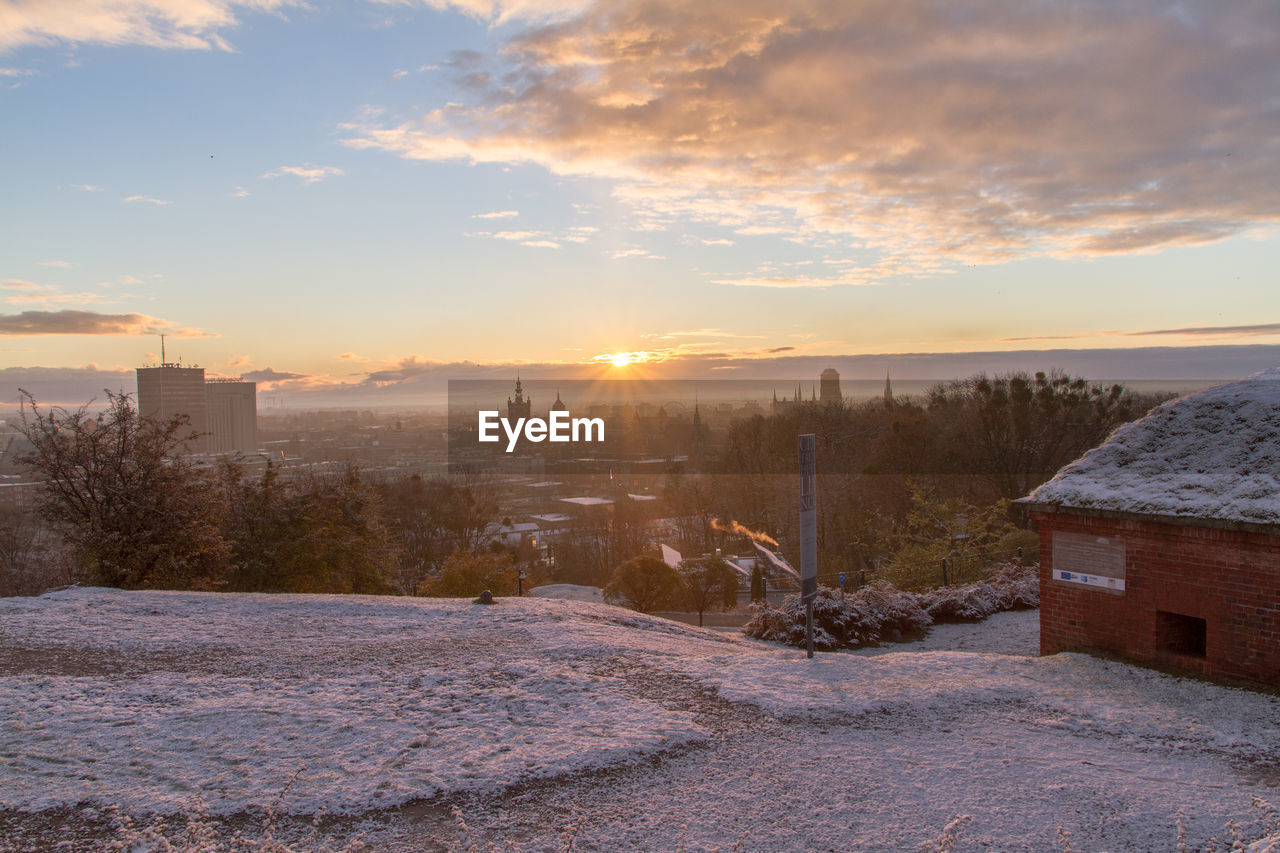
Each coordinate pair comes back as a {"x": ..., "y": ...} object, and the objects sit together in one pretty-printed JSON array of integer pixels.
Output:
[{"x": 358, "y": 200}]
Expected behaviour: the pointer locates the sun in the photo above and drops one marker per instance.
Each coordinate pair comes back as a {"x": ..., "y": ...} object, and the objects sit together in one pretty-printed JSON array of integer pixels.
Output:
[{"x": 621, "y": 359}]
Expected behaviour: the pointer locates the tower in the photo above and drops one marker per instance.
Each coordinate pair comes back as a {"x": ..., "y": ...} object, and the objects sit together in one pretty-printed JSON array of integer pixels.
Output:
[
  {"x": 830, "y": 386},
  {"x": 888, "y": 390},
  {"x": 519, "y": 407}
]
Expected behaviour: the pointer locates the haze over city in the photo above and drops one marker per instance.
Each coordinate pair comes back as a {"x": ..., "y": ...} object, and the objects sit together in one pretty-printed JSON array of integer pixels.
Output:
[{"x": 351, "y": 201}]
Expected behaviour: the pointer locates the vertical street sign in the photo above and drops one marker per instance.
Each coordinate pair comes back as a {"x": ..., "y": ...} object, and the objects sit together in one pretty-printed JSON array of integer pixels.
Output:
[{"x": 808, "y": 532}]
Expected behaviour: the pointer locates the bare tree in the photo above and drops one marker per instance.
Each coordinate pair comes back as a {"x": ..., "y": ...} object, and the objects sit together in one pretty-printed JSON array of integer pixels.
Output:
[{"x": 135, "y": 508}]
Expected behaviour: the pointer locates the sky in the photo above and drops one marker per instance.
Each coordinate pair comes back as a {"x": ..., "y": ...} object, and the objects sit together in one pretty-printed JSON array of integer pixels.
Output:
[{"x": 346, "y": 197}]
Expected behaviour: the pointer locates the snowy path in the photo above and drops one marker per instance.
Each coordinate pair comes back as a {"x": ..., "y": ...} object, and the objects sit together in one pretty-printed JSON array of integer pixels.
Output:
[{"x": 545, "y": 719}]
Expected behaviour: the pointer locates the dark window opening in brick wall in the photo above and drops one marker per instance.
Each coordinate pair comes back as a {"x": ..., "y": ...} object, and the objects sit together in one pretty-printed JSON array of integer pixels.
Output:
[{"x": 1179, "y": 634}]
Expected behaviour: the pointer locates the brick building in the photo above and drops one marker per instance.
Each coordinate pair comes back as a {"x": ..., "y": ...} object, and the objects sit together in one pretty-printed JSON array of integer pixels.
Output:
[{"x": 1162, "y": 545}]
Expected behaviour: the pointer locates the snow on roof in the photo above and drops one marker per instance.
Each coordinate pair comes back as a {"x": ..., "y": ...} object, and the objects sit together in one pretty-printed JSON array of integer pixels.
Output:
[
  {"x": 1214, "y": 455},
  {"x": 587, "y": 501},
  {"x": 552, "y": 517}
]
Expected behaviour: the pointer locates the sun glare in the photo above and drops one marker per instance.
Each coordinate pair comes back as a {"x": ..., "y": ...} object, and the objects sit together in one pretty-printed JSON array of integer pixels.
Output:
[{"x": 621, "y": 359}]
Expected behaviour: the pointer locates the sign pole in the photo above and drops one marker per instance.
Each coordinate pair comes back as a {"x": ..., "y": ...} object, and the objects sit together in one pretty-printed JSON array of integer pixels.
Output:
[{"x": 808, "y": 533}]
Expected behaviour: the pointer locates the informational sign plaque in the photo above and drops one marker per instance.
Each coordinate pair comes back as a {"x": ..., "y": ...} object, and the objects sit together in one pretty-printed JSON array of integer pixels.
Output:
[{"x": 1092, "y": 561}]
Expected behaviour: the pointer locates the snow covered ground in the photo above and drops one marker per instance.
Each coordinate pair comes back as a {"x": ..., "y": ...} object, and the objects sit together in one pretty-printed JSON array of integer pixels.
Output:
[
  {"x": 1013, "y": 632},
  {"x": 546, "y": 720},
  {"x": 568, "y": 591}
]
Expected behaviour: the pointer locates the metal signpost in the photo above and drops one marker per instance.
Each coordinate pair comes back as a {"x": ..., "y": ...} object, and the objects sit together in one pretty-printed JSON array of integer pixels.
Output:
[{"x": 808, "y": 533}]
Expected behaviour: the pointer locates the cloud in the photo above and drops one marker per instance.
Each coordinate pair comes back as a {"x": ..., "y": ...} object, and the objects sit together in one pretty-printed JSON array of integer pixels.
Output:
[
  {"x": 929, "y": 135},
  {"x": 309, "y": 174},
  {"x": 65, "y": 386},
  {"x": 73, "y": 322},
  {"x": 497, "y": 214},
  {"x": 241, "y": 192},
  {"x": 89, "y": 188},
  {"x": 792, "y": 281},
  {"x": 146, "y": 199},
  {"x": 29, "y": 293},
  {"x": 407, "y": 368},
  {"x": 1212, "y": 331},
  {"x": 1257, "y": 330},
  {"x": 537, "y": 239},
  {"x": 720, "y": 242},
  {"x": 271, "y": 375},
  {"x": 620, "y": 254},
  {"x": 180, "y": 24},
  {"x": 518, "y": 236},
  {"x": 579, "y": 234},
  {"x": 773, "y": 350}
]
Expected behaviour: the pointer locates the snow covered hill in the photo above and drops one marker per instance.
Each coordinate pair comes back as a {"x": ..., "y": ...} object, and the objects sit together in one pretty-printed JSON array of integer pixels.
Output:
[{"x": 545, "y": 718}]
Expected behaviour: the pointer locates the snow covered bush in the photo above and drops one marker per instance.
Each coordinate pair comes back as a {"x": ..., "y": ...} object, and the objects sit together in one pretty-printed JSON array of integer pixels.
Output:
[
  {"x": 873, "y": 613},
  {"x": 1010, "y": 587},
  {"x": 882, "y": 613}
]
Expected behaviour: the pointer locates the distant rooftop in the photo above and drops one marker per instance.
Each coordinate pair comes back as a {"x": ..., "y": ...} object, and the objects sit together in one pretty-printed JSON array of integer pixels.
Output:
[
  {"x": 587, "y": 501},
  {"x": 552, "y": 518}
]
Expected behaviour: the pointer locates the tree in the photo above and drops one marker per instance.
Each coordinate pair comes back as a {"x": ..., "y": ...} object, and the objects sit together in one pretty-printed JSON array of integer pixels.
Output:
[
  {"x": 318, "y": 534},
  {"x": 1017, "y": 430},
  {"x": 467, "y": 575},
  {"x": 645, "y": 583},
  {"x": 430, "y": 519},
  {"x": 132, "y": 505},
  {"x": 709, "y": 582},
  {"x": 30, "y": 562},
  {"x": 938, "y": 528},
  {"x": 757, "y": 582}
]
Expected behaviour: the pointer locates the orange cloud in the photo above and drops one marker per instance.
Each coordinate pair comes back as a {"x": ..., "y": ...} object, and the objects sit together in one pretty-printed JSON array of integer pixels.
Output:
[
  {"x": 184, "y": 24},
  {"x": 930, "y": 134},
  {"x": 72, "y": 322}
]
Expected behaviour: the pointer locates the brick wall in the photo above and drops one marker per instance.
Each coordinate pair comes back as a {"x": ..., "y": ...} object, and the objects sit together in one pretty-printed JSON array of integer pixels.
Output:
[{"x": 1228, "y": 578}]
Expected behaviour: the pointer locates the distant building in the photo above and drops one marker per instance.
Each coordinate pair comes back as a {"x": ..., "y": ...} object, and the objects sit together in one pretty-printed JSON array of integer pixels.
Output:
[
  {"x": 829, "y": 384},
  {"x": 1162, "y": 545},
  {"x": 170, "y": 390},
  {"x": 558, "y": 405},
  {"x": 519, "y": 407},
  {"x": 782, "y": 406},
  {"x": 233, "y": 415},
  {"x": 223, "y": 412}
]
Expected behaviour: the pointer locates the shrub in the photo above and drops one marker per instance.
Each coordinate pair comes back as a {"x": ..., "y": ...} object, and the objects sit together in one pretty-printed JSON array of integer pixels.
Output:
[
  {"x": 646, "y": 584},
  {"x": 873, "y": 613},
  {"x": 1010, "y": 587}
]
